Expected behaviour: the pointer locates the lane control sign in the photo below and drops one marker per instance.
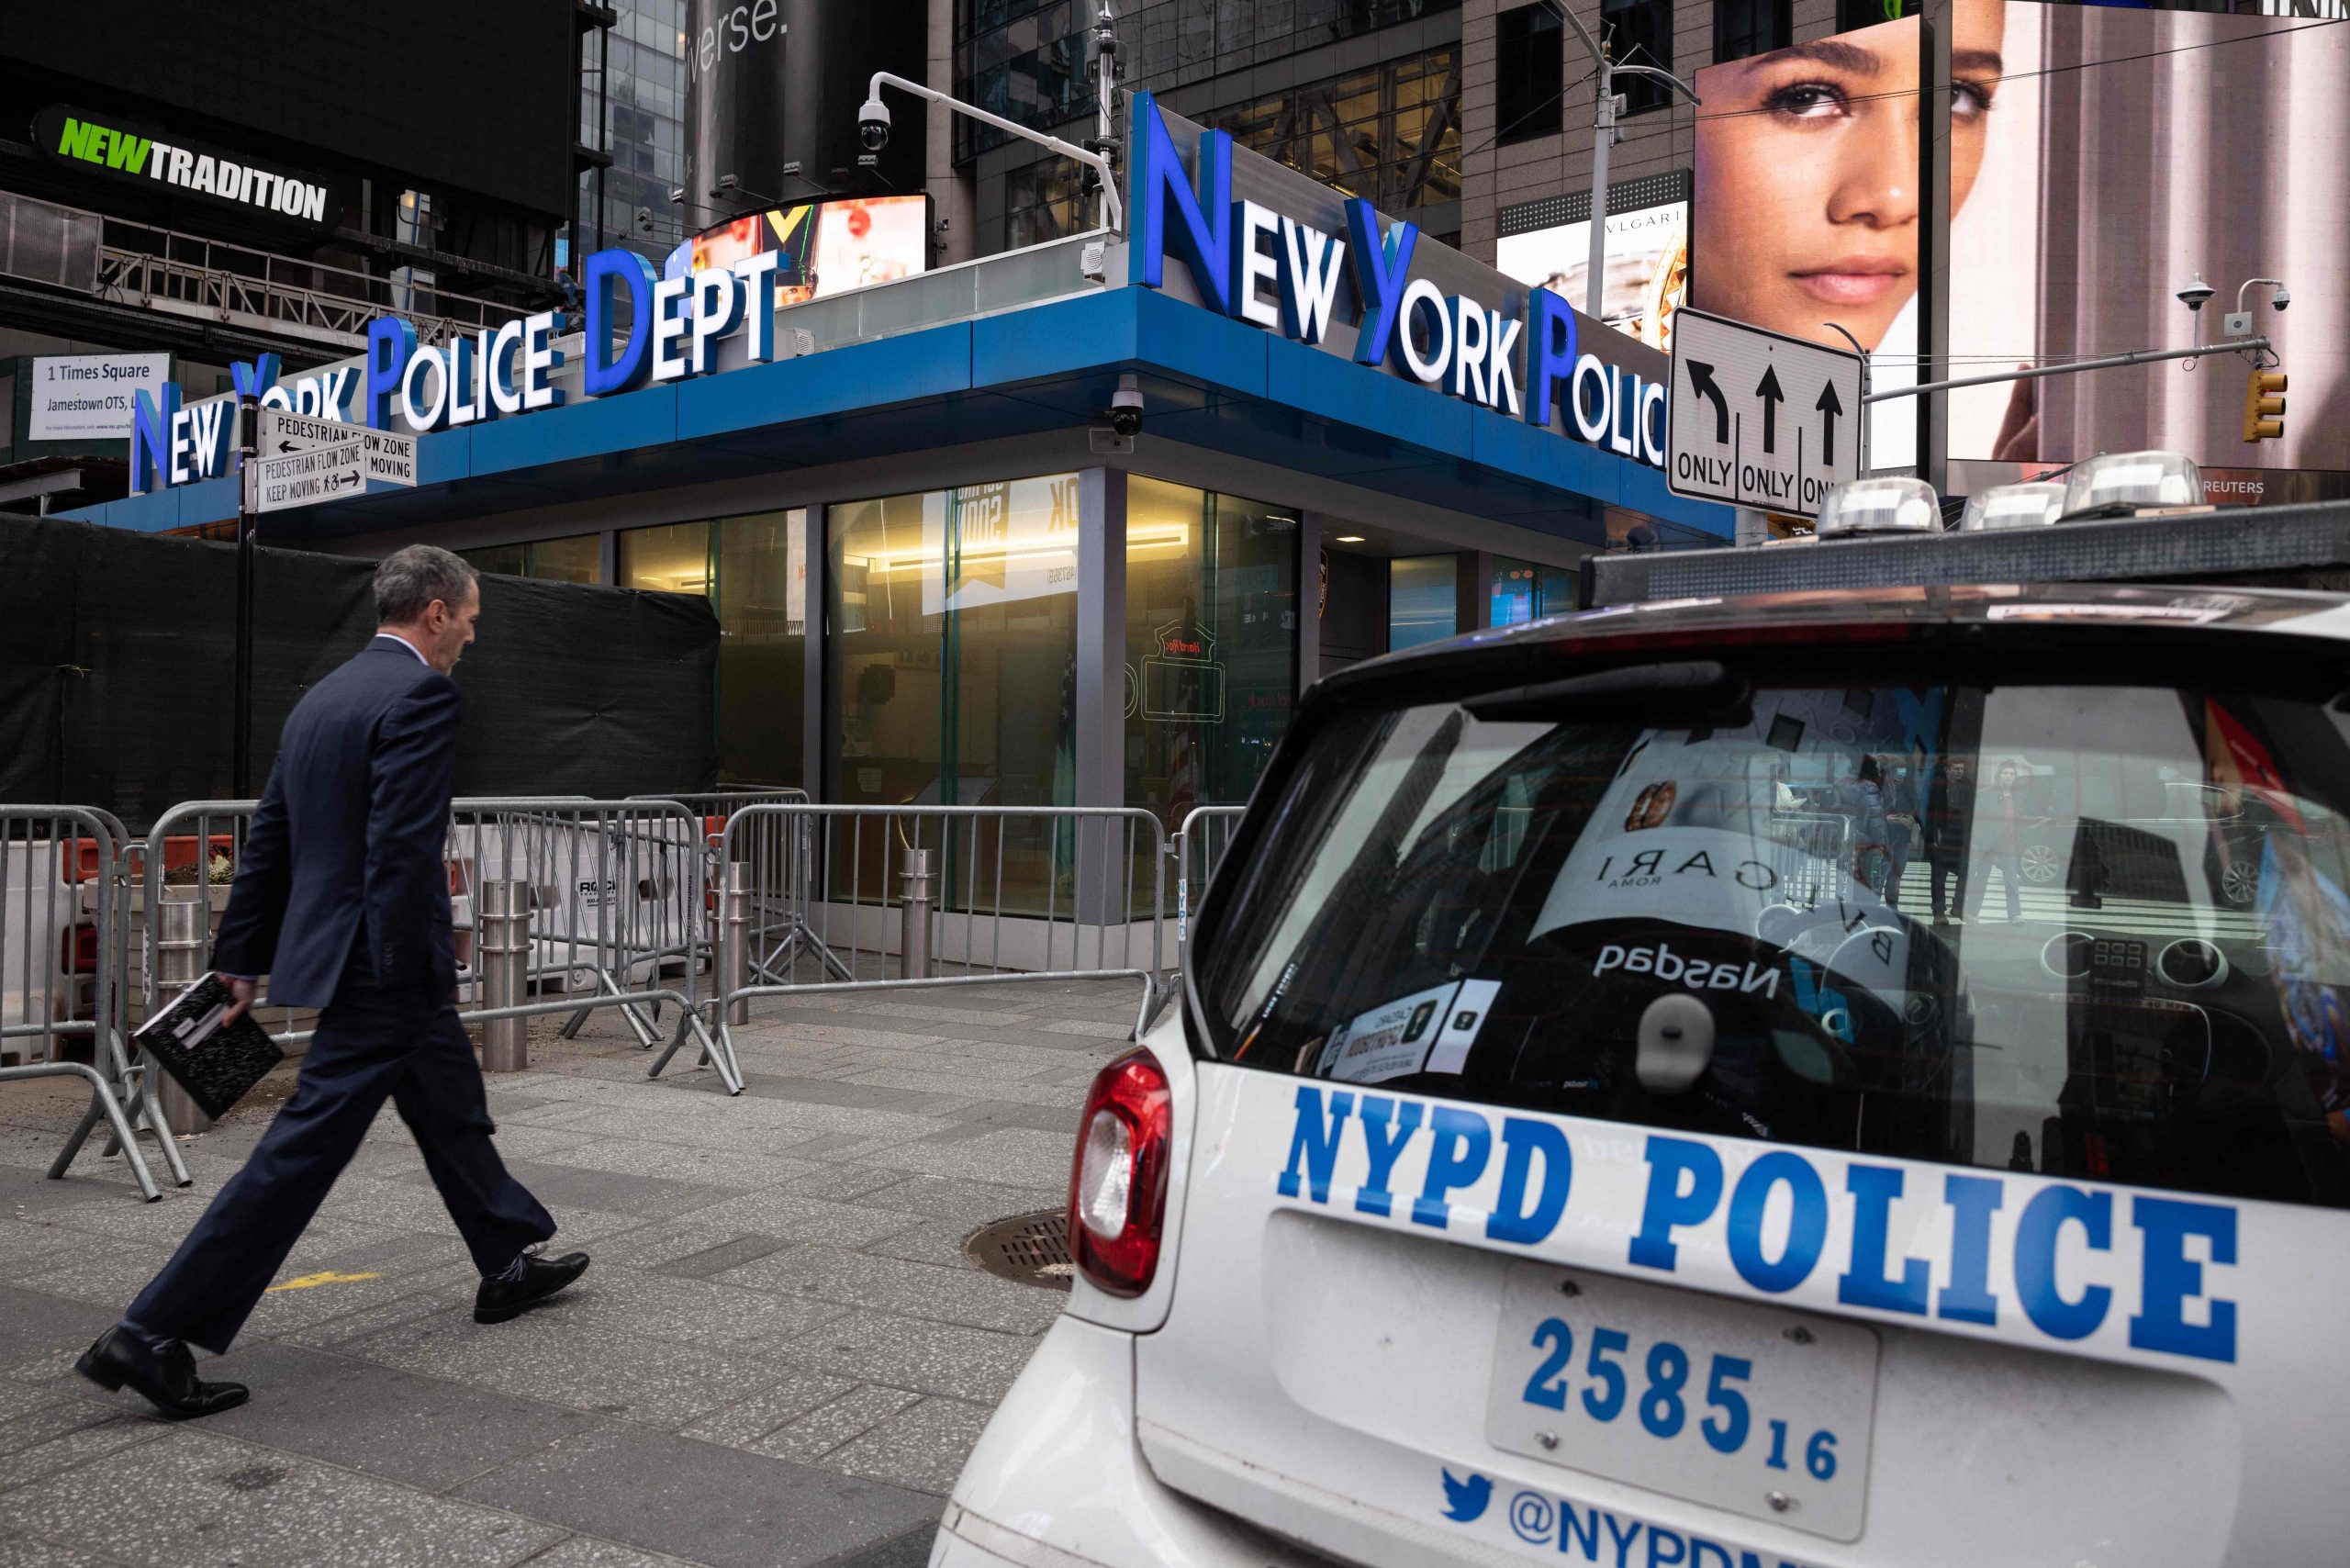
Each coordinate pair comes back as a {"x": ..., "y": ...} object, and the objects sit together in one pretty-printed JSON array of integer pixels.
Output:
[
  {"x": 1759, "y": 419},
  {"x": 384, "y": 457}
]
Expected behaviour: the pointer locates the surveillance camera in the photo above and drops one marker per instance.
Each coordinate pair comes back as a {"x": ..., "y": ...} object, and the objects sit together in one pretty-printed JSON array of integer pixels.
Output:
[
  {"x": 873, "y": 125},
  {"x": 1125, "y": 407},
  {"x": 2282, "y": 297},
  {"x": 2194, "y": 295}
]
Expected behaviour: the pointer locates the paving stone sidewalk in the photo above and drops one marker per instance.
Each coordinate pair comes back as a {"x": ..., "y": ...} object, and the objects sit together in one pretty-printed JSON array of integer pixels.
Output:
[{"x": 780, "y": 1356}]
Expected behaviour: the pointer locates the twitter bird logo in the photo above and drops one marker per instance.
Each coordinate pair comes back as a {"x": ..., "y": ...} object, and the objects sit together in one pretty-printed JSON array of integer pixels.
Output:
[{"x": 1466, "y": 1500}]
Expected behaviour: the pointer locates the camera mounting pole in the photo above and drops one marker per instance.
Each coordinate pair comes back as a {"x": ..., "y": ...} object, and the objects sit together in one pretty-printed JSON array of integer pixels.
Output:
[
  {"x": 1113, "y": 211},
  {"x": 1594, "y": 279}
]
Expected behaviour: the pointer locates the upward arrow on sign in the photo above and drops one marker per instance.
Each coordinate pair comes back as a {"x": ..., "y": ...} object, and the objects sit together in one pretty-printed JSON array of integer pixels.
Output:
[
  {"x": 1829, "y": 406},
  {"x": 1768, "y": 390},
  {"x": 1701, "y": 384}
]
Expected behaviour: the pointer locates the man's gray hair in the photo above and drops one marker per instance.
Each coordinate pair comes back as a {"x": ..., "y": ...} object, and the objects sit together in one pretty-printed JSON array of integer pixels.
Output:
[{"x": 411, "y": 579}]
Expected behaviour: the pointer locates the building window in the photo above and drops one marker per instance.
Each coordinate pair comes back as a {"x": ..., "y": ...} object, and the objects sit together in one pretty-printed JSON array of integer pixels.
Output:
[
  {"x": 954, "y": 619},
  {"x": 1852, "y": 15},
  {"x": 753, "y": 569},
  {"x": 1524, "y": 591},
  {"x": 1529, "y": 74},
  {"x": 673, "y": 558},
  {"x": 1044, "y": 201},
  {"x": 1211, "y": 644},
  {"x": 579, "y": 559},
  {"x": 1391, "y": 133},
  {"x": 1743, "y": 28},
  {"x": 1423, "y": 600},
  {"x": 953, "y": 671},
  {"x": 1639, "y": 32}
]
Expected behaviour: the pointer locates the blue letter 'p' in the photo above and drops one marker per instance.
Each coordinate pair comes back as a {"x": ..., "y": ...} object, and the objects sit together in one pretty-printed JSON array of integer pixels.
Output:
[
  {"x": 390, "y": 342},
  {"x": 1669, "y": 1205},
  {"x": 1549, "y": 352}
]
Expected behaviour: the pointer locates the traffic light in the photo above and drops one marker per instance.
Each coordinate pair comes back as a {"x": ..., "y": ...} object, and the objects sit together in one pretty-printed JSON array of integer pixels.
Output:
[{"x": 2263, "y": 406}]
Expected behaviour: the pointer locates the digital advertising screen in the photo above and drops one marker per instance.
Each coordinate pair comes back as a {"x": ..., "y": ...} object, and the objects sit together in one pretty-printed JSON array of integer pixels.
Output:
[
  {"x": 2100, "y": 157},
  {"x": 826, "y": 248},
  {"x": 1647, "y": 260},
  {"x": 2129, "y": 150}
]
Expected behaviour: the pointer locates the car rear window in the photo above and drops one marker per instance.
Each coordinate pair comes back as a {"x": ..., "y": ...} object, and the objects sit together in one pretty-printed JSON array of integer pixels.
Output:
[{"x": 2096, "y": 931}]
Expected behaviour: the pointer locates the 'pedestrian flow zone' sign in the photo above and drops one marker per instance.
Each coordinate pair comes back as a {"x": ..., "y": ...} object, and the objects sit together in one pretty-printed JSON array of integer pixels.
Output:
[
  {"x": 283, "y": 440},
  {"x": 1759, "y": 419}
]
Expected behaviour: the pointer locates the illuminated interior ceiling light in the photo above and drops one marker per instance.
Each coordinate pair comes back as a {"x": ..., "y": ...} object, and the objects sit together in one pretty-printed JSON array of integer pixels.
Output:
[{"x": 1347, "y": 539}]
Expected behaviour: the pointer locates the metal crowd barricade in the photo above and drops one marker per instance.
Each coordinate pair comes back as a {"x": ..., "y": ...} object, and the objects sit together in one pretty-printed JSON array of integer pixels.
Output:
[
  {"x": 774, "y": 845},
  {"x": 64, "y": 919},
  {"x": 1809, "y": 853},
  {"x": 1199, "y": 845},
  {"x": 614, "y": 907},
  {"x": 1019, "y": 893},
  {"x": 618, "y": 893}
]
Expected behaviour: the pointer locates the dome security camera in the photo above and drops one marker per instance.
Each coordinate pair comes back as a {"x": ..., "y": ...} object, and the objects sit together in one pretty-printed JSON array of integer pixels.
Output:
[
  {"x": 873, "y": 125},
  {"x": 2196, "y": 292},
  {"x": 2281, "y": 298},
  {"x": 1125, "y": 407}
]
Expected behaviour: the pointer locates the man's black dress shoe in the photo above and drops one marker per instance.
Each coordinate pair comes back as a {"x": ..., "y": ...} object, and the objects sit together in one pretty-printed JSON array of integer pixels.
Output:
[
  {"x": 499, "y": 1300},
  {"x": 166, "y": 1378}
]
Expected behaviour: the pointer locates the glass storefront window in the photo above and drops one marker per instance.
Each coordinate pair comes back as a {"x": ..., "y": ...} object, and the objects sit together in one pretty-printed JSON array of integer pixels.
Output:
[
  {"x": 673, "y": 558},
  {"x": 753, "y": 569},
  {"x": 577, "y": 559},
  {"x": 1524, "y": 591},
  {"x": 1422, "y": 601},
  {"x": 1211, "y": 644},
  {"x": 953, "y": 671},
  {"x": 762, "y": 563}
]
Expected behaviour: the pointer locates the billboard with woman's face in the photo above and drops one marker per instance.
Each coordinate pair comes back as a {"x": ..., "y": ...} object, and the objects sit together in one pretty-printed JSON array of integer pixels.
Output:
[
  {"x": 1806, "y": 190},
  {"x": 2100, "y": 157}
]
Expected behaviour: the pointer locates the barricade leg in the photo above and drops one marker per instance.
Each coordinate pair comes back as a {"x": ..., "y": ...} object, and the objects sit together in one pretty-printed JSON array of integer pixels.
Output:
[
  {"x": 718, "y": 1050},
  {"x": 101, "y": 1103}
]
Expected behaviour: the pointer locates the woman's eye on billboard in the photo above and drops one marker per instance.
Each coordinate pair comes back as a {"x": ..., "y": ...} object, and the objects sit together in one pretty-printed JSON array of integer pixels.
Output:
[{"x": 1819, "y": 142}]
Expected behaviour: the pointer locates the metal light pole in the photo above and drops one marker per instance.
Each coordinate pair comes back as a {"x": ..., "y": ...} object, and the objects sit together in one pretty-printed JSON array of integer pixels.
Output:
[
  {"x": 1604, "y": 139},
  {"x": 873, "y": 118},
  {"x": 241, "y": 771}
]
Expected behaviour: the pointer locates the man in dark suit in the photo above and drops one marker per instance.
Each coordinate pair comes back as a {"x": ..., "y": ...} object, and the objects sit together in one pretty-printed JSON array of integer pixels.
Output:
[{"x": 343, "y": 900}]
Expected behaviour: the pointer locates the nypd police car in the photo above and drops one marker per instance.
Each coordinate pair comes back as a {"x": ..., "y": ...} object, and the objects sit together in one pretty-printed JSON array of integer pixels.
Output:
[{"x": 1629, "y": 1106}]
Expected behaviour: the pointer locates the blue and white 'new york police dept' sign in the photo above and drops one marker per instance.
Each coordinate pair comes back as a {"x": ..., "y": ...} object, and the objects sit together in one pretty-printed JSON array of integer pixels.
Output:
[
  {"x": 1350, "y": 284},
  {"x": 1420, "y": 309}
]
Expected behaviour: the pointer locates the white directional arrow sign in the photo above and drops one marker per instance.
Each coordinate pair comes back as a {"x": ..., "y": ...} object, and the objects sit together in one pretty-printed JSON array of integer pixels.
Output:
[
  {"x": 1759, "y": 419},
  {"x": 383, "y": 455},
  {"x": 307, "y": 478}
]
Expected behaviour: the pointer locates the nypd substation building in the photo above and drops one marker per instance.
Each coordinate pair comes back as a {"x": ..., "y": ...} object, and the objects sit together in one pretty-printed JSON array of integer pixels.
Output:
[{"x": 948, "y": 564}]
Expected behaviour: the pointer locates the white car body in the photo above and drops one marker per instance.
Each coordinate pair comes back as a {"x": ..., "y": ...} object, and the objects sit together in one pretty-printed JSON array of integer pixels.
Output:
[{"x": 1332, "y": 1363}]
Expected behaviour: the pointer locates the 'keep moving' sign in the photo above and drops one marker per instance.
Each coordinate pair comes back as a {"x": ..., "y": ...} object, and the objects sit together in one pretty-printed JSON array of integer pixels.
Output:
[
  {"x": 385, "y": 457},
  {"x": 1758, "y": 420}
]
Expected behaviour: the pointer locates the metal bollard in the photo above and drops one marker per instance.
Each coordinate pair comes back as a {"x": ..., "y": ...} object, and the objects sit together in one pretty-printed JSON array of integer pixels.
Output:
[
  {"x": 913, "y": 944},
  {"x": 734, "y": 939},
  {"x": 185, "y": 936},
  {"x": 502, "y": 958}
]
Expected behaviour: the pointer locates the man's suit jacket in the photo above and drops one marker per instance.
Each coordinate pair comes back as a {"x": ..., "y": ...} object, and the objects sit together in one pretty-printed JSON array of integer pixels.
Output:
[{"x": 343, "y": 865}]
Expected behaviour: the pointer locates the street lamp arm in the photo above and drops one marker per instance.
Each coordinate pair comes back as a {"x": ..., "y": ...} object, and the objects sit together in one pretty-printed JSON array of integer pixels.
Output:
[
  {"x": 1662, "y": 75},
  {"x": 1112, "y": 209}
]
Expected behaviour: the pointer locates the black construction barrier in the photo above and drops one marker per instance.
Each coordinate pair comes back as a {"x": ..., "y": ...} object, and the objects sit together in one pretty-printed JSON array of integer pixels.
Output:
[{"x": 116, "y": 650}]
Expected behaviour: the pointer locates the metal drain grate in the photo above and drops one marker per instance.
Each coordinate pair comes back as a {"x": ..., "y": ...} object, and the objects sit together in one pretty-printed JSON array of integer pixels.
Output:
[{"x": 1028, "y": 1250}]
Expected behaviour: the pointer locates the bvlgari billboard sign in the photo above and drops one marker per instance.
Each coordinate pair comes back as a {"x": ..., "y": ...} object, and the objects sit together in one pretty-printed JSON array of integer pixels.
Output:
[{"x": 111, "y": 146}]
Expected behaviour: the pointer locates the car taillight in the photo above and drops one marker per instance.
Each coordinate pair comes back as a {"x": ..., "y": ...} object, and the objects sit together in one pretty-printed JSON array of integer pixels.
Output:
[{"x": 1117, "y": 1185}]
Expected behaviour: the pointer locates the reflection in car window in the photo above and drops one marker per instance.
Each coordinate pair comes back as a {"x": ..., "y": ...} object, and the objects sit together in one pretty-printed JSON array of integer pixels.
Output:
[{"x": 2094, "y": 931}]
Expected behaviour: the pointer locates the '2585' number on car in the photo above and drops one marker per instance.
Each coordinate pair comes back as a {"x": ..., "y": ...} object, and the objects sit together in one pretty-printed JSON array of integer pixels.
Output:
[{"x": 1656, "y": 1390}]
